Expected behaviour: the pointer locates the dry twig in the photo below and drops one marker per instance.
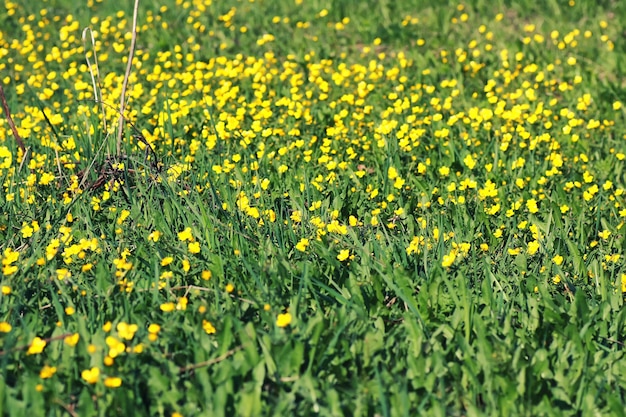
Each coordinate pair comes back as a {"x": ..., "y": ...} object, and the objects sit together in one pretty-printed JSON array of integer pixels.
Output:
[
  {"x": 16, "y": 134},
  {"x": 225, "y": 356},
  {"x": 48, "y": 340}
]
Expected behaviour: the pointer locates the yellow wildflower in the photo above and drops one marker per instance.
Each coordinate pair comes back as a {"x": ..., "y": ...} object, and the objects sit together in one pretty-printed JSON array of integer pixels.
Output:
[
  {"x": 343, "y": 255},
  {"x": 72, "y": 340},
  {"x": 112, "y": 382},
  {"x": 185, "y": 235},
  {"x": 126, "y": 331},
  {"x": 167, "y": 307},
  {"x": 302, "y": 244},
  {"x": 194, "y": 247},
  {"x": 47, "y": 372},
  {"x": 91, "y": 376},
  {"x": 208, "y": 327},
  {"x": 36, "y": 346},
  {"x": 283, "y": 320}
]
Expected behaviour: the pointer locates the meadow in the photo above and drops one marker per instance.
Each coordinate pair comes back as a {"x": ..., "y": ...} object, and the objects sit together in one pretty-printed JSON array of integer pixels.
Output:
[{"x": 360, "y": 208}]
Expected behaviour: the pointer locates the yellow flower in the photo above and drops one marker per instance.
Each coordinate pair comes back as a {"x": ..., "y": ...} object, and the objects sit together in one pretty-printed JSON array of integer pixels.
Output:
[
  {"x": 206, "y": 275},
  {"x": 47, "y": 372},
  {"x": 116, "y": 347},
  {"x": 72, "y": 340},
  {"x": 10, "y": 256},
  {"x": 46, "y": 178},
  {"x": 6, "y": 290},
  {"x": 27, "y": 231},
  {"x": 469, "y": 161},
  {"x": 91, "y": 376},
  {"x": 70, "y": 310},
  {"x": 167, "y": 260},
  {"x": 448, "y": 259},
  {"x": 154, "y": 236},
  {"x": 36, "y": 346},
  {"x": 533, "y": 247},
  {"x": 154, "y": 328},
  {"x": 230, "y": 288},
  {"x": 167, "y": 307},
  {"x": 194, "y": 247},
  {"x": 302, "y": 244},
  {"x": 63, "y": 273},
  {"x": 123, "y": 216},
  {"x": 5, "y": 327},
  {"x": 398, "y": 183},
  {"x": 185, "y": 235},
  {"x": 558, "y": 259},
  {"x": 208, "y": 327},
  {"x": 296, "y": 216},
  {"x": 493, "y": 210},
  {"x": 126, "y": 331},
  {"x": 283, "y": 320},
  {"x": 112, "y": 382},
  {"x": 343, "y": 255},
  {"x": 182, "y": 303},
  {"x": 7, "y": 156},
  {"x": 531, "y": 205}
]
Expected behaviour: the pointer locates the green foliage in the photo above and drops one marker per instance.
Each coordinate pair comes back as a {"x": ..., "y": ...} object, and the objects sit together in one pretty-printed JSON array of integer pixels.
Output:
[{"x": 364, "y": 208}]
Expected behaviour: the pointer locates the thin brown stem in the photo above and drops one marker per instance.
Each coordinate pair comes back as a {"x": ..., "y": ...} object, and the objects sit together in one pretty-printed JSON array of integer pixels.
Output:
[
  {"x": 68, "y": 408},
  {"x": 129, "y": 65},
  {"x": 48, "y": 340},
  {"x": 7, "y": 113},
  {"x": 94, "y": 72},
  {"x": 188, "y": 288},
  {"x": 225, "y": 356}
]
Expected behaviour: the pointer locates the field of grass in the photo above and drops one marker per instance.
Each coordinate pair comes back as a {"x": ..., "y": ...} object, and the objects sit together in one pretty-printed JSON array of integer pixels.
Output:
[{"x": 314, "y": 207}]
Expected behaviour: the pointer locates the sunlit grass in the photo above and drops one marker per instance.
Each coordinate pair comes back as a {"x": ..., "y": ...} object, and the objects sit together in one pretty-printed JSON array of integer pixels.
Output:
[{"x": 340, "y": 208}]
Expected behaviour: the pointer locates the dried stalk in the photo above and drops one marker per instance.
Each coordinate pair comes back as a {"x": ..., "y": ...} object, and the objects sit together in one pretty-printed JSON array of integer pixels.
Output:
[
  {"x": 225, "y": 356},
  {"x": 129, "y": 65},
  {"x": 48, "y": 340},
  {"x": 95, "y": 79},
  {"x": 7, "y": 112}
]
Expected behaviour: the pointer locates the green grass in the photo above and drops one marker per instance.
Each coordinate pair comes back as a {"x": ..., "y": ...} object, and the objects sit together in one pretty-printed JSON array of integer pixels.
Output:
[{"x": 352, "y": 208}]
